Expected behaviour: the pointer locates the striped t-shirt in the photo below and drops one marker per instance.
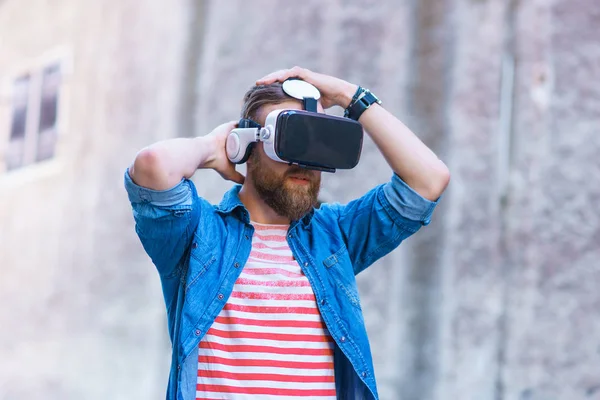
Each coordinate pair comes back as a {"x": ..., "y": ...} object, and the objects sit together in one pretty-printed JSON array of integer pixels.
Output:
[{"x": 269, "y": 341}]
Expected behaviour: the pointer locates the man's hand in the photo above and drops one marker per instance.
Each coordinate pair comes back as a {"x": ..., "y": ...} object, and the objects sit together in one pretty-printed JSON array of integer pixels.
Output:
[
  {"x": 163, "y": 164},
  {"x": 408, "y": 157},
  {"x": 219, "y": 160},
  {"x": 334, "y": 91}
]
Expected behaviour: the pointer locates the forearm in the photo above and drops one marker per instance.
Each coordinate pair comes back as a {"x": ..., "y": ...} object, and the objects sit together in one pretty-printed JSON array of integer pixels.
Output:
[
  {"x": 406, "y": 154},
  {"x": 163, "y": 164}
]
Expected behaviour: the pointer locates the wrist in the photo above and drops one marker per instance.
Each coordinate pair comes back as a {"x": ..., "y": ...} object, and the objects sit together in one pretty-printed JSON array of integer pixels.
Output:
[
  {"x": 207, "y": 149},
  {"x": 361, "y": 101},
  {"x": 346, "y": 94}
]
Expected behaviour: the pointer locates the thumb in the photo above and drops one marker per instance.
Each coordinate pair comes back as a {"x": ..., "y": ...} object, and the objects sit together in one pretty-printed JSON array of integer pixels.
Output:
[
  {"x": 238, "y": 178},
  {"x": 233, "y": 176}
]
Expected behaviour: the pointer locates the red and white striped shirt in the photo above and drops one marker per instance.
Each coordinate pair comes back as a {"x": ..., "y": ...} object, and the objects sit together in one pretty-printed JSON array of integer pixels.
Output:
[{"x": 269, "y": 341}]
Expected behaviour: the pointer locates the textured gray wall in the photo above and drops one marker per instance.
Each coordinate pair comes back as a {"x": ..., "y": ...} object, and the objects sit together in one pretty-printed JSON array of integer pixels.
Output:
[
  {"x": 471, "y": 263},
  {"x": 552, "y": 216},
  {"x": 81, "y": 312},
  {"x": 496, "y": 300}
]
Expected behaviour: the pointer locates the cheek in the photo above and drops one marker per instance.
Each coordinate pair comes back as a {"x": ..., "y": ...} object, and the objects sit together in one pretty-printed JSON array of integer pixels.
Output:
[
  {"x": 275, "y": 167},
  {"x": 268, "y": 169}
]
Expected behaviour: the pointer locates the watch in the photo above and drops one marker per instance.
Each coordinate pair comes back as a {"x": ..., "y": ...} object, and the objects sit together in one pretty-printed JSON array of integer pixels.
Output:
[{"x": 364, "y": 101}]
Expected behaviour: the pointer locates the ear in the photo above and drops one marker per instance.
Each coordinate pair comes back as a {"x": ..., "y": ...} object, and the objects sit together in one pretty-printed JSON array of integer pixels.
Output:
[{"x": 253, "y": 155}]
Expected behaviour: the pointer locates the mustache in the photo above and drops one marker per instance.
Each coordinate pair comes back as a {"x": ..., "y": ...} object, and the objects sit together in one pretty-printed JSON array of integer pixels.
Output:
[{"x": 300, "y": 172}]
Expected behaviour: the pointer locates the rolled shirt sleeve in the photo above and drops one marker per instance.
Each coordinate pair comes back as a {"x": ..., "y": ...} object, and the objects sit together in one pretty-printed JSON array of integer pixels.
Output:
[
  {"x": 407, "y": 203},
  {"x": 165, "y": 221},
  {"x": 180, "y": 194}
]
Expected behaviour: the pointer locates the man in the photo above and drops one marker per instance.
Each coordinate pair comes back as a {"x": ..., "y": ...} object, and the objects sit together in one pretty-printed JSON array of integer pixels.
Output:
[{"x": 260, "y": 290}]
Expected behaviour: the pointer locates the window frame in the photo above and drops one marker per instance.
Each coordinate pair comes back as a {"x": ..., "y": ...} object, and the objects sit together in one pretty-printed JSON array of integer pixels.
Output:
[{"x": 34, "y": 68}]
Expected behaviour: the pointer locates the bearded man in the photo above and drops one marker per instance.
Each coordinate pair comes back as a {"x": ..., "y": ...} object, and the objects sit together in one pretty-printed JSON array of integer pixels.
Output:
[{"x": 260, "y": 289}]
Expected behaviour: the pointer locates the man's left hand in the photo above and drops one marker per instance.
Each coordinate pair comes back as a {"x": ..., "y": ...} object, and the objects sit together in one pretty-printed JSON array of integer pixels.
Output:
[{"x": 334, "y": 91}]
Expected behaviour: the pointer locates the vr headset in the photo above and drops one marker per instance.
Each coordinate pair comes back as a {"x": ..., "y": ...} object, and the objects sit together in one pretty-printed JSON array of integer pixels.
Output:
[{"x": 300, "y": 137}]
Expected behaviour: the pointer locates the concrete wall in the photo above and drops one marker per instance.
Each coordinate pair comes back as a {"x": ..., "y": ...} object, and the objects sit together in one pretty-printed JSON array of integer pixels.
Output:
[
  {"x": 82, "y": 315},
  {"x": 496, "y": 299},
  {"x": 552, "y": 215}
]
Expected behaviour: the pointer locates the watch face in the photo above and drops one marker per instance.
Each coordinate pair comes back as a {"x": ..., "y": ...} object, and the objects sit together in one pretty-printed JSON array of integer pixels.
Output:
[{"x": 299, "y": 89}]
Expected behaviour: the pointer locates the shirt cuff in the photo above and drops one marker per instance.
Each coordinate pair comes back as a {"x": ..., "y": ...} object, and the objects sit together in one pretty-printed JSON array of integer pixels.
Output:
[
  {"x": 407, "y": 202},
  {"x": 181, "y": 194}
]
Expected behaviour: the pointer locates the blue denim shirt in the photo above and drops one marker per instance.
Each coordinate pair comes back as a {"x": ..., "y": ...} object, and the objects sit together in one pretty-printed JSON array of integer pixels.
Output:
[{"x": 199, "y": 250}]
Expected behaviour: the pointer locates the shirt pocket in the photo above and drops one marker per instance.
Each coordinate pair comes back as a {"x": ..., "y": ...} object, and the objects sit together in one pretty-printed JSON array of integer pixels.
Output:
[
  {"x": 341, "y": 275},
  {"x": 202, "y": 257}
]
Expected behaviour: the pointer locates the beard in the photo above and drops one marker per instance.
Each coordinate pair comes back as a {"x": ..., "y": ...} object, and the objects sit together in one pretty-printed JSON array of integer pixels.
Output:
[{"x": 287, "y": 199}]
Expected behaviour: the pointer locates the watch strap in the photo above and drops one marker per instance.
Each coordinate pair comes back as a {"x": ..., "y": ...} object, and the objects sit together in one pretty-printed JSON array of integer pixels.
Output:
[{"x": 355, "y": 110}]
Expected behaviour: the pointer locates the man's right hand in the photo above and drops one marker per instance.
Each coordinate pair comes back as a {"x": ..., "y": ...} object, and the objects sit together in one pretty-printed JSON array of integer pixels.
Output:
[
  {"x": 220, "y": 162},
  {"x": 162, "y": 165}
]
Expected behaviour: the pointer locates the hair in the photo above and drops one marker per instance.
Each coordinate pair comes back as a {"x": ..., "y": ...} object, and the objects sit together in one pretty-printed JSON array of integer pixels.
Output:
[{"x": 262, "y": 95}]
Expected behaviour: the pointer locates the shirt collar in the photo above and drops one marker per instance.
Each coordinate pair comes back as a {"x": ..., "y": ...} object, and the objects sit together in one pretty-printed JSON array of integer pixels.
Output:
[{"x": 231, "y": 202}]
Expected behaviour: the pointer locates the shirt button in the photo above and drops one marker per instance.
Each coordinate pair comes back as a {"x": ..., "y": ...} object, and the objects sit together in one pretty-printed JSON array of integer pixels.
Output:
[
  {"x": 220, "y": 296},
  {"x": 179, "y": 367},
  {"x": 197, "y": 332},
  {"x": 194, "y": 245},
  {"x": 306, "y": 264},
  {"x": 290, "y": 235},
  {"x": 247, "y": 237},
  {"x": 237, "y": 265},
  {"x": 343, "y": 339},
  {"x": 364, "y": 374},
  {"x": 322, "y": 301}
]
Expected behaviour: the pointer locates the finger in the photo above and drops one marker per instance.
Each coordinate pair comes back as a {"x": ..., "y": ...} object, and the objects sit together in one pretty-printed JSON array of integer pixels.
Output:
[
  {"x": 230, "y": 124},
  {"x": 270, "y": 78},
  {"x": 225, "y": 126},
  {"x": 237, "y": 177},
  {"x": 282, "y": 75},
  {"x": 231, "y": 174}
]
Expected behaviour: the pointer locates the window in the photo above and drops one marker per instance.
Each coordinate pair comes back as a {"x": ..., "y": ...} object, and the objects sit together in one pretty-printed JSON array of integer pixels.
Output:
[
  {"x": 48, "y": 109},
  {"x": 33, "y": 126},
  {"x": 20, "y": 97}
]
